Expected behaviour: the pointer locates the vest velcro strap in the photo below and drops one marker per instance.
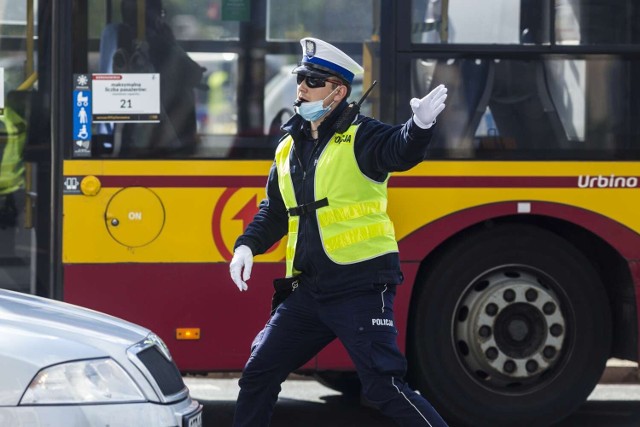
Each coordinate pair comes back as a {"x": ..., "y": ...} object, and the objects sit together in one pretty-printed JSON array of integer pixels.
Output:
[{"x": 308, "y": 207}]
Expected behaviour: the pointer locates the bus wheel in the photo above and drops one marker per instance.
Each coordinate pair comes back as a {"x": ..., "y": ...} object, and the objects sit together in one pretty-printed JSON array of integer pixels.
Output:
[{"x": 511, "y": 325}]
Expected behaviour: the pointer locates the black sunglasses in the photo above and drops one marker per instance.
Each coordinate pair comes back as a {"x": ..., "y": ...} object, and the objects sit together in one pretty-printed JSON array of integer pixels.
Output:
[{"x": 314, "y": 82}]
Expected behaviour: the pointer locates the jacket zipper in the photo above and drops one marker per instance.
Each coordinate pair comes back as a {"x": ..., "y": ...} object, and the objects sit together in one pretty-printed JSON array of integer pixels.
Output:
[{"x": 303, "y": 192}]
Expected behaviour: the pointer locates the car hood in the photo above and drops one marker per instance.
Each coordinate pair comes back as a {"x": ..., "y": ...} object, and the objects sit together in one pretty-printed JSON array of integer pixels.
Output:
[{"x": 38, "y": 332}]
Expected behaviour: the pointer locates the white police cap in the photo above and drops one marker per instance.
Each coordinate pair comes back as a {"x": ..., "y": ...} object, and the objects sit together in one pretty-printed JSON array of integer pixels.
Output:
[{"x": 321, "y": 58}]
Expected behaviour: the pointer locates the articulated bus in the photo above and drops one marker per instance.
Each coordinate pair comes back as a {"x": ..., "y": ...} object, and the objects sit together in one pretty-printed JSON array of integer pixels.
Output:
[{"x": 136, "y": 137}]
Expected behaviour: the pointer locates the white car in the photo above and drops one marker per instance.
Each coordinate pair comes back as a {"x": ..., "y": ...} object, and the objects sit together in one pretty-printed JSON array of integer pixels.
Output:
[{"x": 63, "y": 365}]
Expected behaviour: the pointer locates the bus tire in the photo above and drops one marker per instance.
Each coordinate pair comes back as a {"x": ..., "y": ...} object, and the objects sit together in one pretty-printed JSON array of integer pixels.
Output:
[{"x": 511, "y": 325}]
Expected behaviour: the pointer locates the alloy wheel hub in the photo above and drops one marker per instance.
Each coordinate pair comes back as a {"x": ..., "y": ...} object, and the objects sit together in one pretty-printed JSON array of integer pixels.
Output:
[{"x": 509, "y": 327}]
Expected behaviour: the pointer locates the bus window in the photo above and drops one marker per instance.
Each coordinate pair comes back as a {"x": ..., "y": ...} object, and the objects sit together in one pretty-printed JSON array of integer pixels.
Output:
[
  {"x": 215, "y": 109},
  {"x": 12, "y": 18},
  {"x": 551, "y": 107},
  {"x": 200, "y": 20},
  {"x": 592, "y": 23},
  {"x": 324, "y": 19},
  {"x": 148, "y": 45},
  {"x": 16, "y": 239},
  {"x": 18, "y": 78},
  {"x": 523, "y": 22},
  {"x": 214, "y": 102},
  {"x": 193, "y": 20},
  {"x": 457, "y": 21}
]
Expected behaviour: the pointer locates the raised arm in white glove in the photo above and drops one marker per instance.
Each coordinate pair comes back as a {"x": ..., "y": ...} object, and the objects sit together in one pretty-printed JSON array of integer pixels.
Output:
[
  {"x": 426, "y": 110},
  {"x": 240, "y": 267}
]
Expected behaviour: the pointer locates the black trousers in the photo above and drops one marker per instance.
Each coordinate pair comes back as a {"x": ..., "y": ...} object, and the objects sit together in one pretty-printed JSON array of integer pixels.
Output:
[{"x": 302, "y": 326}]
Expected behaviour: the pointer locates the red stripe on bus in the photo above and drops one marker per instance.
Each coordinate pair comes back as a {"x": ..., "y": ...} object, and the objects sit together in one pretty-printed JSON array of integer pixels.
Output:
[
  {"x": 425, "y": 239},
  {"x": 203, "y": 181}
]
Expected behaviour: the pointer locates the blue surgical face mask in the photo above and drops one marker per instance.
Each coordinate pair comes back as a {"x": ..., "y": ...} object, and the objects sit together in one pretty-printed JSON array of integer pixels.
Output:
[{"x": 313, "y": 111}]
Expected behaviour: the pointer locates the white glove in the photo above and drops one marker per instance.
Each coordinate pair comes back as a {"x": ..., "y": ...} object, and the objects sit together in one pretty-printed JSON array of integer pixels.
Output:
[
  {"x": 426, "y": 110},
  {"x": 242, "y": 262}
]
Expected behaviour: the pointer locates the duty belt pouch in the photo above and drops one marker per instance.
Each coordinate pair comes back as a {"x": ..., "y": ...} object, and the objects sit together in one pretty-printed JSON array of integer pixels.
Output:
[{"x": 283, "y": 288}]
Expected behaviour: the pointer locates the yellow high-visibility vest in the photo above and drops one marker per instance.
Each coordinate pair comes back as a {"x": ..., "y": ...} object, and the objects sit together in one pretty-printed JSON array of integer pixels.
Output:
[
  {"x": 354, "y": 226},
  {"x": 11, "y": 162}
]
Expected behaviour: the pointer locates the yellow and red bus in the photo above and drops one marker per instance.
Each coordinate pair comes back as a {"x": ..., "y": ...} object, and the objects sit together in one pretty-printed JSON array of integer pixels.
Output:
[{"x": 146, "y": 131}]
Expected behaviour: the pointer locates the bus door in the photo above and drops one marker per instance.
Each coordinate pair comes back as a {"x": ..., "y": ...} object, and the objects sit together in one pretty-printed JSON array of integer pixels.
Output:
[{"x": 23, "y": 165}]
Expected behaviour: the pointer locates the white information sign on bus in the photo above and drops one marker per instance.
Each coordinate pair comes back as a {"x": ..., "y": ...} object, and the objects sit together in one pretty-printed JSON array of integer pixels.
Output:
[
  {"x": 1, "y": 91},
  {"x": 126, "y": 97}
]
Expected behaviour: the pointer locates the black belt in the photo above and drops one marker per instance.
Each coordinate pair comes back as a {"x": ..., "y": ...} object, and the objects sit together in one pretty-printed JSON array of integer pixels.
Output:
[{"x": 308, "y": 207}]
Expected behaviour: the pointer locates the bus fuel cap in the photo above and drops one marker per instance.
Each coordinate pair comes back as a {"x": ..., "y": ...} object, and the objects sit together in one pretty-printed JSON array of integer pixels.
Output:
[
  {"x": 90, "y": 185},
  {"x": 135, "y": 216}
]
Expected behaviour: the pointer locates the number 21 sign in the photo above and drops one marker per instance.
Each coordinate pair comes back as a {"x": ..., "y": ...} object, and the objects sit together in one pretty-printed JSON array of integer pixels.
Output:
[{"x": 131, "y": 97}]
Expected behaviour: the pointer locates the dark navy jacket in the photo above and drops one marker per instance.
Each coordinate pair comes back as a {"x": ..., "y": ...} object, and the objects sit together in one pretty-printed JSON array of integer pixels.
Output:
[{"x": 379, "y": 148}]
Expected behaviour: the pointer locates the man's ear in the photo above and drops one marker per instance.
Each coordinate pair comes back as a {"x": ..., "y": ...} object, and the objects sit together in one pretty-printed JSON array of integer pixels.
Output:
[{"x": 341, "y": 93}]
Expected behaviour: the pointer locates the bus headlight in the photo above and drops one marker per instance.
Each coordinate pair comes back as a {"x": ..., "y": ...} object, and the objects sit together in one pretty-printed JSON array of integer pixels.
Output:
[{"x": 81, "y": 382}]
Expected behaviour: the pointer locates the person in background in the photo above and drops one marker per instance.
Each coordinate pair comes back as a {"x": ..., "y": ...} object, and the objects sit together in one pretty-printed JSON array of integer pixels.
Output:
[
  {"x": 12, "y": 170},
  {"x": 12, "y": 189},
  {"x": 327, "y": 190}
]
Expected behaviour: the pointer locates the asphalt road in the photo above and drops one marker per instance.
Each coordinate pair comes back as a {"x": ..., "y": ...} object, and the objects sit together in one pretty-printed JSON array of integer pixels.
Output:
[{"x": 305, "y": 403}]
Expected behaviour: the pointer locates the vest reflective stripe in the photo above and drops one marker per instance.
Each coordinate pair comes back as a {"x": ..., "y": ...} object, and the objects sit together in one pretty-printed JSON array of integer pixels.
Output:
[
  {"x": 292, "y": 239},
  {"x": 355, "y": 226},
  {"x": 352, "y": 236},
  {"x": 351, "y": 212},
  {"x": 288, "y": 196}
]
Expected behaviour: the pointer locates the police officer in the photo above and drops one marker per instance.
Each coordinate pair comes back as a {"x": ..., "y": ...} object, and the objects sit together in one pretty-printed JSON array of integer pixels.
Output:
[{"x": 328, "y": 192}]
